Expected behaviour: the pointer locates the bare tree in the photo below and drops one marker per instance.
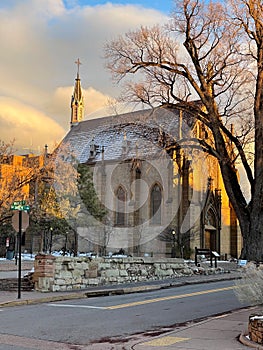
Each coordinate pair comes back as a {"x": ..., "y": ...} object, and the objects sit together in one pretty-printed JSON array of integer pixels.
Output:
[
  {"x": 62, "y": 201},
  {"x": 52, "y": 197},
  {"x": 211, "y": 53}
]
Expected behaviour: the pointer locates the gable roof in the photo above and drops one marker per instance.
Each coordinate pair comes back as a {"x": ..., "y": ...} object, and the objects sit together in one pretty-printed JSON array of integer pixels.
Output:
[{"x": 125, "y": 136}]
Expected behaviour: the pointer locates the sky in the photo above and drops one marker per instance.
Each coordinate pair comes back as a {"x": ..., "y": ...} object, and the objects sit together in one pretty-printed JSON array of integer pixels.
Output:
[{"x": 40, "y": 42}]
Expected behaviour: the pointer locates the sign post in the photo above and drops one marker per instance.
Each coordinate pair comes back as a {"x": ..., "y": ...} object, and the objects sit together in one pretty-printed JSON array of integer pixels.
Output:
[
  {"x": 19, "y": 254},
  {"x": 19, "y": 224}
]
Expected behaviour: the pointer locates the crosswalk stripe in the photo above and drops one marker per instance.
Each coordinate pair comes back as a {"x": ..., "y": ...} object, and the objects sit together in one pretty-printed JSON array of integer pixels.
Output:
[
  {"x": 79, "y": 306},
  {"x": 164, "y": 341}
]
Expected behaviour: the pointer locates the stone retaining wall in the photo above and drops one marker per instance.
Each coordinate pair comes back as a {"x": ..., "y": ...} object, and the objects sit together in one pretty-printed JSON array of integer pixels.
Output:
[{"x": 68, "y": 273}]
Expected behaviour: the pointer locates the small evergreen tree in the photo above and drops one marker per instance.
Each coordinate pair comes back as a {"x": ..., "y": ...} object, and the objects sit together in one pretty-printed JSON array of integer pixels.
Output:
[{"x": 88, "y": 193}]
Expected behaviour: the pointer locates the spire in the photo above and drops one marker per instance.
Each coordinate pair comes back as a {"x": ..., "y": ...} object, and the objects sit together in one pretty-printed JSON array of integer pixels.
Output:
[
  {"x": 77, "y": 101},
  {"x": 78, "y": 63}
]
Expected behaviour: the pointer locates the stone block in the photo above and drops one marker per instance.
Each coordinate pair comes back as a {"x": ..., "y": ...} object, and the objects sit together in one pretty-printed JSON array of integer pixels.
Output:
[
  {"x": 179, "y": 266},
  {"x": 133, "y": 270},
  {"x": 187, "y": 272},
  {"x": 93, "y": 281},
  {"x": 120, "y": 280},
  {"x": 77, "y": 274},
  {"x": 55, "y": 288},
  {"x": 63, "y": 288},
  {"x": 163, "y": 266},
  {"x": 93, "y": 273},
  {"x": 70, "y": 265},
  {"x": 70, "y": 287},
  {"x": 65, "y": 274},
  {"x": 77, "y": 280},
  {"x": 112, "y": 279},
  {"x": 123, "y": 273},
  {"x": 84, "y": 265},
  {"x": 163, "y": 273},
  {"x": 59, "y": 282},
  {"x": 112, "y": 273},
  {"x": 44, "y": 284},
  {"x": 144, "y": 272},
  {"x": 104, "y": 266}
]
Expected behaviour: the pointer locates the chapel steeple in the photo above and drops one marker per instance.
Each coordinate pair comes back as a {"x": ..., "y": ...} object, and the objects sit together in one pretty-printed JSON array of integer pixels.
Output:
[{"x": 77, "y": 101}]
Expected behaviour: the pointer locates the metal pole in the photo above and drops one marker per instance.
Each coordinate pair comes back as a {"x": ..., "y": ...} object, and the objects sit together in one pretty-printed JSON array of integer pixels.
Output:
[
  {"x": 19, "y": 254},
  {"x": 173, "y": 244}
]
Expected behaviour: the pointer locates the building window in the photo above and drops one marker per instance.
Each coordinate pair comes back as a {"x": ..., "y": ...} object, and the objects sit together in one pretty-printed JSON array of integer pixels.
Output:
[
  {"x": 155, "y": 205},
  {"x": 121, "y": 199}
]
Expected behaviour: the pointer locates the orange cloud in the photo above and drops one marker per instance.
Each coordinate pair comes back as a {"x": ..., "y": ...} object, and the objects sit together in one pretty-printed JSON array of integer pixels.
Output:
[{"x": 30, "y": 128}]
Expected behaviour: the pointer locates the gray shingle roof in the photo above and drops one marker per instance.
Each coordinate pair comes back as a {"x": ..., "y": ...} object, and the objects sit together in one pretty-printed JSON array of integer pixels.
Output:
[{"x": 125, "y": 136}]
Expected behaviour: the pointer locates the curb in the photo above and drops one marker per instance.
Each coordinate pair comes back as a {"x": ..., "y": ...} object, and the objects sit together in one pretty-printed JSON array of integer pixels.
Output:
[
  {"x": 43, "y": 300},
  {"x": 126, "y": 290},
  {"x": 245, "y": 341}
]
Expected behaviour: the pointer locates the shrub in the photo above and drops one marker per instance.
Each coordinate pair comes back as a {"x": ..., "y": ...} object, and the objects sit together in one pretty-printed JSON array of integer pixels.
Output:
[{"x": 250, "y": 287}]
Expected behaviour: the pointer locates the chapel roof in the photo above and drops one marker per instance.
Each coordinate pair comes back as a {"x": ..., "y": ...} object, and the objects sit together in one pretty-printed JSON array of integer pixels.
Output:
[{"x": 126, "y": 136}]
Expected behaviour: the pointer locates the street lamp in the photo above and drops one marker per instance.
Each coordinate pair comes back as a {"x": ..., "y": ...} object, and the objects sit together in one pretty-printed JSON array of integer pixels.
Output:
[
  {"x": 173, "y": 243},
  {"x": 51, "y": 239}
]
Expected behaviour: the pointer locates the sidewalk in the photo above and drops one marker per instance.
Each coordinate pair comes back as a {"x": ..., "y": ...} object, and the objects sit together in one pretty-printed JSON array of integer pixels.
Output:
[{"x": 214, "y": 333}]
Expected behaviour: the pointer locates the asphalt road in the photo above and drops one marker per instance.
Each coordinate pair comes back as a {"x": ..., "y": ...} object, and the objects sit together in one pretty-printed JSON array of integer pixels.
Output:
[{"x": 94, "y": 320}]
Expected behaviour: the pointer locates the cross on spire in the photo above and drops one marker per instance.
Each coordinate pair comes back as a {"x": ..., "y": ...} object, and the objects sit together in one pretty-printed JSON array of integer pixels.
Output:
[{"x": 78, "y": 63}]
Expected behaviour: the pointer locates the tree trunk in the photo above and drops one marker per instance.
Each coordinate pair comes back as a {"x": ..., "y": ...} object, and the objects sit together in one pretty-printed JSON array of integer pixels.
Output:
[
  {"x": 76, "y": 248},
  {"x": 253, "y": 243},
  {"x": 253, "y": 248}
]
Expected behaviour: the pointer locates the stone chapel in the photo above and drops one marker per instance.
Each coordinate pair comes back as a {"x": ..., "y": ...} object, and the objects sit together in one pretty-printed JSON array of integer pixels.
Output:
[{"x": 163, "y": 196}]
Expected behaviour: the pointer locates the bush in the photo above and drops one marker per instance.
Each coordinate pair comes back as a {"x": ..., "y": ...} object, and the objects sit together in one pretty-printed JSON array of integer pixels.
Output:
[{"x": 250, "y": 287}]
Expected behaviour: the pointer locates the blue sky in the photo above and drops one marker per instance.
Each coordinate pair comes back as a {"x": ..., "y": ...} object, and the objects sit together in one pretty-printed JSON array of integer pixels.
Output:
[{"x": 160, "y": 5}]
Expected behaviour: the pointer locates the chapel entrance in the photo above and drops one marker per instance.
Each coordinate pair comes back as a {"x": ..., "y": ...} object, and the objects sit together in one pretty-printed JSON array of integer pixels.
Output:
[{"x": 210, "y": 239}]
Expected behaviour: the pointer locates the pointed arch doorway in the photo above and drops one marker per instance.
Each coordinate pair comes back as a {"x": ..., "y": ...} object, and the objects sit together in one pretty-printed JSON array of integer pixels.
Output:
[
  {"x": 210, "y": 237},
  {"x": 211, "y": 232}
]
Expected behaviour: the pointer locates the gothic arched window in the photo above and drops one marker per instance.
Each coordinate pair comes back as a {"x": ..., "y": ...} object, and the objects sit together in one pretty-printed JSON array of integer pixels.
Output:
[
  {"x": 121, "y": 201},
  {"x": 155, "y": 205}
]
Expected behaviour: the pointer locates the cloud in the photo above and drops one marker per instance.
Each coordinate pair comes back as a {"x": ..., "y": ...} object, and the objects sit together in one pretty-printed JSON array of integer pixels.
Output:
[
  {"x": 30, "y": 128},
  {"x": 40, "y": 41}
]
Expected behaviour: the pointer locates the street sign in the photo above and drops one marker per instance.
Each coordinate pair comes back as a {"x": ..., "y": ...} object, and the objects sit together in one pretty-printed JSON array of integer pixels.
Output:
[
  {"x": 25, "y": 221},
  {"x": 23, "y": 202},
  {"x": 20, "y": 205}
]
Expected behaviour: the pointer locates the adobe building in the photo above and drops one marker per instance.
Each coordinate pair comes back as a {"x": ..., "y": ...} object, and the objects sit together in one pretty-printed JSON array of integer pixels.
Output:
[
  {"x": 15, "y": 183},
  {"x": 163, "y": 196}
]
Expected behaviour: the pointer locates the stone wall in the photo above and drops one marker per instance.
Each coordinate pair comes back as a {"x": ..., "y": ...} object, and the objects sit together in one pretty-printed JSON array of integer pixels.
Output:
[{"x": 68, "y": 273}]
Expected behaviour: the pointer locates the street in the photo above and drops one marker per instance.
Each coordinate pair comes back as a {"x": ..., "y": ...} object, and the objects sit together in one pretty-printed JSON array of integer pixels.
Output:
[{"x": 104, "y": 319}]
